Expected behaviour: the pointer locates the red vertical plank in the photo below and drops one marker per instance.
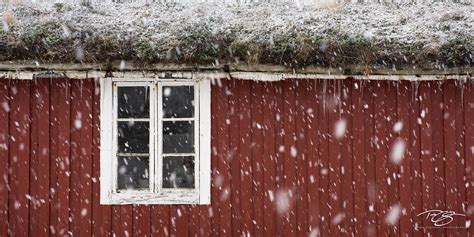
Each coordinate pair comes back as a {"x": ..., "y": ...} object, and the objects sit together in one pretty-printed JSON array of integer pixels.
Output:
[
  {"x": 222, "y": 177},
  {"x": 126, "y": 221},
  {"x": 279, "y": 151},
  {"x": 75, "y": 162},
  {"x": 141, "y": 220},
  {"x": 405, "y": 187},
  {"x": 301, "y": 157},
  {"x": 205, "y": 213},
  {"x": 160, "y": 221},
  {"x": 101, "y": 214},
  {"x": 39, "y": 210},
  {"x": 179, "y": 220},
  {"x": 371, "y": 159},
  {"x": 54, "y": 152},
  {"x": 19, "y": 157},
  {"x": 116, "y": 224},
  {"x": 414, "y": 152},
  {"x": 358, "y": 158},
  {"x": 460, "y": 158},
  {"x": 215, "y": 184},
  {"x": 257, "y": 158},
  {"x": 334, "y": 190},
  {"x": 285, "y": 198},
  {"x": 438, "y": 149},
  {"x": 85, "y": 127},
  {"x": 63, "y": 158},
  {"x": 347, "y": 189},
  {"x": 323, "y": 154},
  {"x": 4, "y": 166},
  {"x": 449, "y": 132},
  {"x": 244, "y": 157},
  {"x": 392, "y": 166},
  {"x": 469, "y": 150},
  {"x": 194, "y": 219},
  {"x": 381, "y": 157},
  {"x": 34, "y": 163},
  {"x": 224, "y": 199},
  {"x": 313, "y": 158},
  {"x": 60, "y": 150},
  {"x": 426, "y": 151},
  {"x": 234, "y": 141},
  {"x": 269, "y": 158},
  {"x": 183, "y": 221}
]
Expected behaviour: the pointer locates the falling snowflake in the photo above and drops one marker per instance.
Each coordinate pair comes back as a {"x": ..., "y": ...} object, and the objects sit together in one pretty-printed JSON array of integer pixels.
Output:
[
  {"x": 167, "y": 91},
  {"x": 393, "y": 215},
  {"x": 340, "y": 128},
  {"x": 293, "y": 152},
  {"x": 78, "y": 123},
  {"x": 84, "y": 212},
  {"x": 66, "y": 31},
  {"x": 397, "y": 127},
  {"x": 122, "y": 65},
  {"x": 314, "y": 232},
  {"x": 397, "y": 152},
  {"x": 337, "y": 218},
  {"x": 79, "y": 54},
  {"x": 282, "y": 201},
  {"x": 6, "y": 107},
  {"x": 270, "y": 195}
]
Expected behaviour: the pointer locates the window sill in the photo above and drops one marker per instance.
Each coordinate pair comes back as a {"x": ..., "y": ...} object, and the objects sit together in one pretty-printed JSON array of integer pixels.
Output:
[{"x": 148, "y": 198}]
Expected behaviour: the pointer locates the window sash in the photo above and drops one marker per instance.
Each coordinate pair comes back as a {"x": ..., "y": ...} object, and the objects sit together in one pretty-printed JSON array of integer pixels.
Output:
[
  {"x": 161, "y": 119},
  {"x": 151, "y": 139}
]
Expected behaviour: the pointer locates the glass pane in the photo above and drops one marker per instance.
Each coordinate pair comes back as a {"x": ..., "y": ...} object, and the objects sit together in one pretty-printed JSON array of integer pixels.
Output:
[
  {"x": 178, "y": 101},
  {"x": 178, "y": 172},
  {"x": 133, "y": 102},
  {"x": 133, "y": 173},
  {"x": 133, "y": 137},
  {"x": 178, "y": 137}
]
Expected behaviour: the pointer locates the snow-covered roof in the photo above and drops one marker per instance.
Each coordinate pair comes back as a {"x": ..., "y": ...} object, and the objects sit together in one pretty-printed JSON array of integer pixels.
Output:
[{"x": 434, "y": 36}]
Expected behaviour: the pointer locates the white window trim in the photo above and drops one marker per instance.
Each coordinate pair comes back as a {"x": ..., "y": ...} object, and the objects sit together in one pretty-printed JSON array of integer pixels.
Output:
[{"x": 108, "y": 165}]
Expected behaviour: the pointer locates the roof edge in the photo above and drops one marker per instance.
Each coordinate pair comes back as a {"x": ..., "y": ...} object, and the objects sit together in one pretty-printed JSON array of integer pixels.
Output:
[{"x": 259, "y": 72}]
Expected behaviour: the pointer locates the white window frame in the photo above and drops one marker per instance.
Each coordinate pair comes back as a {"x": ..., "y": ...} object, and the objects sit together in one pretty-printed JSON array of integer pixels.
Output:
[{"x": 108, "y": 146}]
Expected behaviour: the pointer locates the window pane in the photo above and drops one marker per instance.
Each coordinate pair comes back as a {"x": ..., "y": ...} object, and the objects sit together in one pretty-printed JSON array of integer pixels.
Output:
[
  {"x": 178, "y": 172},
  {"x": 133, "y": 102},
  {"x": 178, "y": 137},
  {"x": 178, "y": 101},
  {"x": 133, "y": 173},
  {"x": 133, "y": 137}
]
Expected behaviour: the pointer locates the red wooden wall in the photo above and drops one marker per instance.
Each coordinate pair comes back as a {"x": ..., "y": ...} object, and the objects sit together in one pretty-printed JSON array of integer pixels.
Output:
[{"x": 277, "y": 167}]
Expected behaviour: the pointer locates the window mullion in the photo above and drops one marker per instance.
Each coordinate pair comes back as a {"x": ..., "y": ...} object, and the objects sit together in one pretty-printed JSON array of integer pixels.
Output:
[
  {"x": 114, "y": 161},
  {"x": 152, "y": 138},
  {"x": 159, "y": 144},
  {"x": 196, "y": 139}
]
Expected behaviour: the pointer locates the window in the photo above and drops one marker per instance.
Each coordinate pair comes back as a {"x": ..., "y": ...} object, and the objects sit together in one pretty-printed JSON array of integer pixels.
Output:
[{"x": 155, "y": 141}]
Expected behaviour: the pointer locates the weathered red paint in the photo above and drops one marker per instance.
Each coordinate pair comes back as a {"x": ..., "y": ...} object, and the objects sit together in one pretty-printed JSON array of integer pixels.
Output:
[{"x": 270, "y": 139}]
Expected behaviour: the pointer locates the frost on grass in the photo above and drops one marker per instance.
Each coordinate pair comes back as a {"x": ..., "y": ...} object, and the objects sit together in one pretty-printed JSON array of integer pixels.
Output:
[{"x": 437, "y": 35}]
